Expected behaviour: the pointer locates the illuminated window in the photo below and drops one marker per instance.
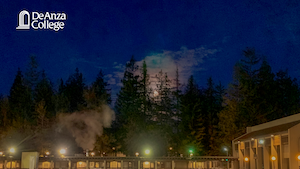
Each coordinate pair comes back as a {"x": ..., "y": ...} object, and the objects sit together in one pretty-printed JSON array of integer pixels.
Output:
[
  {"x": 81, "y": 164},
  {"x": 91, "y": 164},
  {"x": 46, "y": 164},
  {"x": 97, "y": 165}
]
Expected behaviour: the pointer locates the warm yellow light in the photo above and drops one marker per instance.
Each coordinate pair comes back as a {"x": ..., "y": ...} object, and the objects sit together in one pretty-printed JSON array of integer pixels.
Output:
[
  {"x": 298, "y": 157},
  {"x": 171, "y": 148},
  {"x": 62, "y": 151},
  {"x": 12, "y": 150},
  {"x": 273, "y": 158},
  {"x": 47, "y": 153},
  {"x": 1, "y": 153},
  {"x": 155, "y": 93},
  {"x": 146, "y": 163},
  {"x": 92, "y": 153},
  {"x": 246, "y": 159},
  {"x": 147, "y": 151},
  {"x": 80, "y": 163},
  {"x": 137, "y": 154}
]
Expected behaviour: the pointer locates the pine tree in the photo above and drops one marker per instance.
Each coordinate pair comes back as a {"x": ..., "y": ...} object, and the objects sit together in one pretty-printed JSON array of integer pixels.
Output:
[
  {"x": 176, "y": 94},
  {"x": 242, "y": 108},
  {"x": 212, "y": 105},
  {"x": 4, "y": 112},
  {"x": 164, "y": 104},
  {"x": 265, "y": 87},
  {"x": 164, "y": 110},
  {"x": 145, "y": 91},
  {"x": 20, "y": 100},
  {"x": 32, "y": 75},
  {"x": 287, "y": 95},
  {"x": 192, "y": 123},
  {"x": 44, "y": 93},
  {"x": 129, "y": 117},
  {"x": 100, "y": 87},
  {"x": 61, "y": 101},
  {"x": 74, "y": 90}
]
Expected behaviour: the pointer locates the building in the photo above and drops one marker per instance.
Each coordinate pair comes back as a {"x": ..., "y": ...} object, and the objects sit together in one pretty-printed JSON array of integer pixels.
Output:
[
  {"x": 31, "y": 161},
  {"x": 271, "y": 145}
]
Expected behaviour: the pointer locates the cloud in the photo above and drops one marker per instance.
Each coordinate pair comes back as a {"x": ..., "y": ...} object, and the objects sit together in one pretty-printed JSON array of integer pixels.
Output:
[{"x": 188, "y": 62}]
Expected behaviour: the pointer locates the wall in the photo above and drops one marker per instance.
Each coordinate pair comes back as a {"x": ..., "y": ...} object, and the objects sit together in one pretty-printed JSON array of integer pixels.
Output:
[{"x": 294, "y": 136}]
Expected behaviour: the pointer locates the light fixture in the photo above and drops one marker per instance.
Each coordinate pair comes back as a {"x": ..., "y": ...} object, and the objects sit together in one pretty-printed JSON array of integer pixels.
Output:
[
  {"x": 252, "y": 139},
  {"x": 62, "y": 151},
  {"x": 272, "y": 135},
  {"x": 261, "y": 141},
  {"x": 246, "y": 159},
  {"x": 273, "y": 158},
  {"x": 147, "y": 151},
  {"x": 298, "y": 157},
  {"x": 137, "y": 154},
  {"x": 47, "y": 152},
  {"x": 12, "y": 150}
]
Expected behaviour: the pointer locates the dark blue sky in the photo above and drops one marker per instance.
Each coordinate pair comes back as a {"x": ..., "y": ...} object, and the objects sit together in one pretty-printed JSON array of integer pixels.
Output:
[{"x": 204, "y": 38}]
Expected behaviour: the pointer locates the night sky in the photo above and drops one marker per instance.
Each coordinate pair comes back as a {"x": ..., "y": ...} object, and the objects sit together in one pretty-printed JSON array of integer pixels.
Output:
[{"x": 202, "y": 38}]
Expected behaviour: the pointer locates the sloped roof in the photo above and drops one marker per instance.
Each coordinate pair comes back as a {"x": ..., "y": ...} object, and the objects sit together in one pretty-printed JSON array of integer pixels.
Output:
[{"x": 267, "y": 131}]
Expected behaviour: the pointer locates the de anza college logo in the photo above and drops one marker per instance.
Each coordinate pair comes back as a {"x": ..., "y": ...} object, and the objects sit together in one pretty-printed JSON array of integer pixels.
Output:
[{"x": 47, "y": 20}]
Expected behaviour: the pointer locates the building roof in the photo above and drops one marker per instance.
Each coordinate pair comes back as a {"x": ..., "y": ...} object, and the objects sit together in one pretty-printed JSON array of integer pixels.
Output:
[
  {"x": 267, "y": 131},
  {"x": 198, "y": 158}
]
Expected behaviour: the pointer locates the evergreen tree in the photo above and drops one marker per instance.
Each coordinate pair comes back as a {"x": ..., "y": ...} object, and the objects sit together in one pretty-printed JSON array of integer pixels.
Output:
[
  {"x": 164, "y": 115},
  {"x": 164, "y": 106},
  {"x": 20, "y": 100},
  {"x": 129, "y": 117},
  {"x": 145, "y": 91},
  {"x": 60, "y": 99},
  {"x": 4, "y": 112},
  {"x": 32, "y": 75},
  {"x": 74, "y": 90},
  {"x": 247, "y": 101},
  {"x": 212, "y": 105},
  {"x": 192, "y": 123},
  {"x": 176, "y": 94},
  {"x": 265, "y": 87},
  {"x": 44, "y": 93},
  {"x": 287, "y": 95},
  {"x": 100, "y": 87}
]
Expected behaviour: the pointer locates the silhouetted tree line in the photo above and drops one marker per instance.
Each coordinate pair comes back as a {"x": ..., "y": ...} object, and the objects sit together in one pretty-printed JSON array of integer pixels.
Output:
[{"x": 164, "y": 116}]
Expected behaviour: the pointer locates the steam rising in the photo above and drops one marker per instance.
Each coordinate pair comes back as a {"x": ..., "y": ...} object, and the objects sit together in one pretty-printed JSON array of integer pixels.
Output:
[{"x": 86, "y": 125}]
